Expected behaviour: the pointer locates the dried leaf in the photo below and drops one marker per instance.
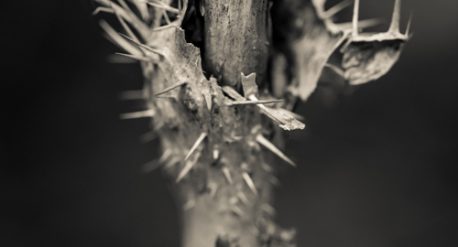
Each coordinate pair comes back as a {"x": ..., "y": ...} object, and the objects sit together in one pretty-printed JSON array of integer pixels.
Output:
[
  {"x": 368, "y": 57},
  {"x": 363, "y": 58}
]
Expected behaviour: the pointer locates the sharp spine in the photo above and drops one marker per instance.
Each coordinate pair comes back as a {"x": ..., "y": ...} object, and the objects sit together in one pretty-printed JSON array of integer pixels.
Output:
[
  {"x": 151, "y": 166},
  {"x": 139, "y": 114},
  {"x": 134, "y": 57},
  {"x": 355, "y": 18},
  {"x": 395, "y": 20},
  {"x": 337, "y": 8},
  {"x": 102, "y": 10},
  {"x": 268, "y": 209},
  {"x": 274, "y": 181},
  {"x": 227, "y": 174},
  {"x": 213, "y": 187},
  {"x": 409, "y": 24},
  {"x": 249, "y": 181},
  {"x": 188, "y": 166},
  {"x": 243, "y": 198},
  {"x": 215, "y": 154},
  {"x": 236, "y": 210},
  {"x": 161, "y": 5},
  {"x": 189, "y": 205},
  {"x": 141, "y": 45},
  {"x": 125, "y": 26},
  {"x": 119, "y": 40},
  {"x": 165, "y": 156},
  {"x": 361, "y": 24},
  {"x": 196, "y": 145},
  {"x": 168, "y": 89},
  {"x": 254, "y": 102},
  {"x": 267, "y": 144},
  {"x": 132, "y": 94},
  {"x": 148, "y": 136}
]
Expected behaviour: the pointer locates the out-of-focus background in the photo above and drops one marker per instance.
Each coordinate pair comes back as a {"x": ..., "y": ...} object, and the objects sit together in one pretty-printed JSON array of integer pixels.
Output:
[{"x": 377, "y": 167}]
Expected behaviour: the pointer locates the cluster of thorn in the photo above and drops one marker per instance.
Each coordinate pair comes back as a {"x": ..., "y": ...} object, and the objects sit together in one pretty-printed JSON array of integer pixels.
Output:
[
  {"x": 193, "y": 114},
  {"x": 157, "y": 45}
]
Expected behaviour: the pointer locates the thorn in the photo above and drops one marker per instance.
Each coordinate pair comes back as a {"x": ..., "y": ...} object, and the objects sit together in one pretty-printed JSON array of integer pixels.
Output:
[
  {"x": 274, "y": 181},
  {"x": 237, "y": 211},
  {"x": 133, "y": 94},
  {"x": 196, "y": 144},
  {"x": 188, "y": 166},
  {"x": 161, "y": 5},
  {"x": 215, "y": 154},
  {"x": 227, "y": 174},
  {"x": 244, "y": 166},
  {"x": 139, "y": 114},
  {"x": 213, "y": 187},
  {"x": 268, "y": 209},
  {"x": 254, "y": 102},
  {"x": 369, "y": 23},
  {"x": 355, "y": 18},
  {"x": 141, "y": 45},
  {"x": 266, "y": 167},
  {"x": 117, "y": 39},
  {"x": 249, "y": 181},
  {"x": 151, "y": 166},
  {"x": 163, "y": 27},
  {"x": 163, "y": 97},
  {"x": 243, "y": 197},
  {"x": 267, "y": 144},
  {"x": 337, "y": 8},
  {"x": 125, "y": 26},
  {"x": 172, "y": 162},
  {"x": 395, "y": 20},
  {"x": 208, "y": 100},
  {"x": 165, "y": 155},
  {"x": 409, "y": 23},
  {"x": 361, "y": 24},
  {"x": 168, "y": 159},
  {"x": 148, "y": 136},
  {"x": 102, "y": 10},
  {"x": 336, "y": 69},
  {"x": 168, "y": 89},
  {"x": 233, "y": 200},
  {"x": 113, "y": 58},
  {"x": 166, "y": 17},
  {"x": 142, "y": 8},
  {"x": 232, "y": 93},
  {"x": 134, "y": 57},
  {"x": 189, "y": 205}
]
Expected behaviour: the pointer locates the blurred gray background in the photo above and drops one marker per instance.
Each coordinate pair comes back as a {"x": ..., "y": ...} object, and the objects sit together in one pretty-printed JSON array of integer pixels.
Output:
[{"x": 376, "y": 167}]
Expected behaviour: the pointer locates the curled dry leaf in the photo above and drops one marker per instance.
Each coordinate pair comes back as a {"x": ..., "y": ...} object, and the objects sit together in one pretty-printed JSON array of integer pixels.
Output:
[
  {"x": 368, "y": 57},
  {"x": 361, "y": 57}
]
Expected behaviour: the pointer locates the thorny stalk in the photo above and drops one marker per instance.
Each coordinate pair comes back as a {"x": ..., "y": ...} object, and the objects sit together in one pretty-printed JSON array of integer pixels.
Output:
[{"x": 218, "y": 110}]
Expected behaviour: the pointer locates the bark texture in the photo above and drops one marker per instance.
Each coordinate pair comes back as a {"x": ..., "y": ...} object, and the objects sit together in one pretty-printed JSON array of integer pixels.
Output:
[{"x": 236, "y": 39}]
